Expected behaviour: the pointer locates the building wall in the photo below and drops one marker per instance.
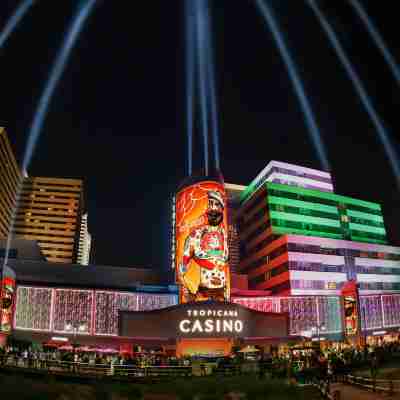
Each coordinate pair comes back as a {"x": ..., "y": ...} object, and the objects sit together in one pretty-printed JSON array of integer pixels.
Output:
[
  {"x": 289, "y": 174},
  {"x": 10, "y": 177},
  {"x": 287, "y": 209},
  {"x": 85, "y": 242},
  {"x": 233, "y": 193},
  {"x": 377, "y": 312},
  {"x": 301, "y": 265},
  {"x": 49, "y": 309},
  {"x": 50, "y": 212}
]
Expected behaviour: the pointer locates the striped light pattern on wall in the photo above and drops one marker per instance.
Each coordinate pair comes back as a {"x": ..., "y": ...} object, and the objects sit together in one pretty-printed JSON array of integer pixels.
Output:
[
  {"x": 304, "y": 312},
  {"x": 50, "y": 309},
  {"x": 376, "y": 312},
  {"x": 353, "y": 220},
  {"x": 305, "y": 265},
  {"x": 289, "y": 174}
]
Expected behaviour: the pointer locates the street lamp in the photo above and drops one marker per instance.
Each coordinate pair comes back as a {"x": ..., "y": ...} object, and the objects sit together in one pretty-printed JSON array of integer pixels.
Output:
[{"x": 75, "y": 327}]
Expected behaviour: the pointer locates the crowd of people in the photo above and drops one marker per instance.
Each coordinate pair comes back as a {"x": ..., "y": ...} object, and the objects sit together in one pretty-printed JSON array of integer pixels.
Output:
[
  {"x": 46, "y": 358},
  {"x": 306, "y": 365},
  {"x": 302, "y": 364}
]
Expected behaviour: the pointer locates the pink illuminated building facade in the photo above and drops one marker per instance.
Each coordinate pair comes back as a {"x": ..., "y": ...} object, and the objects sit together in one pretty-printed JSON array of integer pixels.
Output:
[{"x": 300, "y": 238}]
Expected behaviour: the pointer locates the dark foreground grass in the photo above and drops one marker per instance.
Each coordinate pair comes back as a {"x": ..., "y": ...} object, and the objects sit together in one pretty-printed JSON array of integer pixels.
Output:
[{"x": 15, "y": 387}]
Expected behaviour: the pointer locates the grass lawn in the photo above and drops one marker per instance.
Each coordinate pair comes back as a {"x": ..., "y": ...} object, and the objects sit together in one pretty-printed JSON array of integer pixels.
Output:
[{"x": 17, "y": 387}]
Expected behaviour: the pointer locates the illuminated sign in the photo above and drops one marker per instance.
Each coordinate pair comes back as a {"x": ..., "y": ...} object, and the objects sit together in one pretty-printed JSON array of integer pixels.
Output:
[
  {"x": 225, "y": 321},
  {"x": 350, "y": 315},
  {"x": 202, "y": 320},
  {"x": 201, "y": 245},
  {"x": 7, "y": 300}
]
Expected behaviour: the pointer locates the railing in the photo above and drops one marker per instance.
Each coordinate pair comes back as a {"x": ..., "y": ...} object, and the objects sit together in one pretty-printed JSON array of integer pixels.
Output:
[
  {"x": 376, "y": 385},
  {"x": 95, "y": 370}
]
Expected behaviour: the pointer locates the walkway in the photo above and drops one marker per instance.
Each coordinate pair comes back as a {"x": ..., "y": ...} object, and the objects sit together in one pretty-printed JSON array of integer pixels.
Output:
[{"x": 349, "y": 392}]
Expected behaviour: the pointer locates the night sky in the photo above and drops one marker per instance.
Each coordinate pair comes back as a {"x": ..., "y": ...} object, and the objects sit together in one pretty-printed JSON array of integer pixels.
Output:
[{"x": 117, "y": 119}]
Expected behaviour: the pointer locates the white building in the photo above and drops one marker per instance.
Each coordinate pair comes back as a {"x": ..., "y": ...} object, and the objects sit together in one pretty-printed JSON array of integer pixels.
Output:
[{"x": 85, "y": 241}]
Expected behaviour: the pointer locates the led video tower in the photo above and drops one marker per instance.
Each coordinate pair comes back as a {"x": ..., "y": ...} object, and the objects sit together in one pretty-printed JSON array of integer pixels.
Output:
[{"x": 201, "y": 243}]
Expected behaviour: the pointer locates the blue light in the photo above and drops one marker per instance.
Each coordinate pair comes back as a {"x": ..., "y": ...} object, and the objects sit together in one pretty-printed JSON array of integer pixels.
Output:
[
  {"x": 212, "y": 92},
  {"x": 361, "y": 91},
  {"x": 189, "y": 64},
  {"x": 14, "y": 20},
  {"x": 58, "y": 67},
  {"x": 377, "y": 38},
  {"x": 202, "y": 72},
  {"x": 84, "y": 9},
  {"x": 310, "y": 119}
]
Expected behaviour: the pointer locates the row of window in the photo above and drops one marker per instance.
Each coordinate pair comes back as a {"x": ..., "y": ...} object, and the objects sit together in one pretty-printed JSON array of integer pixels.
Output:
[
  {"x": 368, "y": 222},
  {"x": 318, "y": 267},
  {"x": 301, "y": 185},
  {"x": 259, "y": 214},
  {"x": 318, "y": 285},
  {"x": 303, "y": 211},
  {"x": 260, "y": 229},
  {"x": 260, "y": 196},
  {"x": 320, "y": 200},
  {"x": 306, "y": 226},
  {"x": 265, "y": 242},
  {"x": 307, "y": 248},
  {"x": 267, "y": 258},
  {"x": 57, "y": 235},
  {"x": 361, "y": 269},
  {"x": 368, "y": 235},
  {"x": 379, "y": 285},
  {"x": 301, "y": 174}
]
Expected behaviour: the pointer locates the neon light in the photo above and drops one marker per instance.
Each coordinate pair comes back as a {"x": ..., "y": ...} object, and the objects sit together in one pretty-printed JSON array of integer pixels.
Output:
[
  {"x": 307, "y": 219},
  {"x": 303, "y": 204},
  {"x": 359, "y": 214},
  {"x": 367, "y": 228},
  {"x": 323, "y": 195},
  {"x": 283, "y": 230}
]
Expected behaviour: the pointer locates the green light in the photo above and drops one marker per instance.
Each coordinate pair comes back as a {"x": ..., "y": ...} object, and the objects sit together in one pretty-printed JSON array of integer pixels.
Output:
[
  {"x": 359, "y": 214},
  {"x": 367, "y": 228},
  {"x": 307, "y": 219},
  {"x": 367, "y": 240},
  {"x": 302, "y": 204},
  {"x": 323, "y": 195},
  {"x": 283, "y": 230},
  {"x": 246, "y": 194}
]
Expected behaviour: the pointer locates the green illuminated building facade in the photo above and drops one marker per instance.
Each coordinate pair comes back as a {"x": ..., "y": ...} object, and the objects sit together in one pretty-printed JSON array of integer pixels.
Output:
[{"x": 299, "y": 237}]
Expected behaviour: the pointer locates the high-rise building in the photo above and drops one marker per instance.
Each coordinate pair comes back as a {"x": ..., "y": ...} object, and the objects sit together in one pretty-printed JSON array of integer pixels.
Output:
[
  {"x": 50, "y": 213},
  {"x": 233, "y": 193},
  {"x": 10, "y": 177},
  {"x": 298, "y": 240},
  {"x": 85, "y": 242},
  {"x": 289, "y": 174}
]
